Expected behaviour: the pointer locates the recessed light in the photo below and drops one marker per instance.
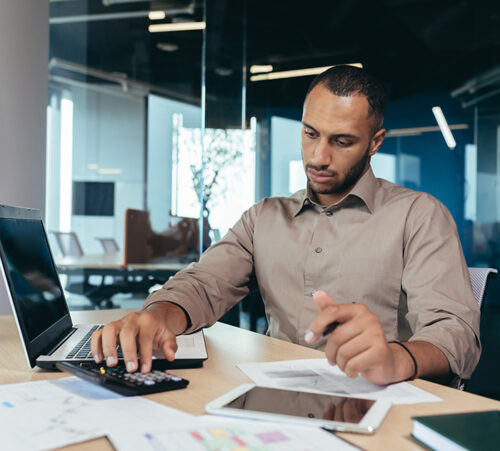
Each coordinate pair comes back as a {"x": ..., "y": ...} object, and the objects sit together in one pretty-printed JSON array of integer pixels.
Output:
[
  {"x": 260, "y": 68},
  {"x": 167, "y": 47},
  {"x": 157, "y": 15}
]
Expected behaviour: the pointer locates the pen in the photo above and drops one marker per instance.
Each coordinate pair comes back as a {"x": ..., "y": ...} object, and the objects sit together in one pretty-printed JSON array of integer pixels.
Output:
[{"x": 330, "y": 328}]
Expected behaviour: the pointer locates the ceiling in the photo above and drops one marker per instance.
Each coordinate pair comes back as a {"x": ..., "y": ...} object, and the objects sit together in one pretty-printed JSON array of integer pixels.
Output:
[{"x": 413, "y": 45}]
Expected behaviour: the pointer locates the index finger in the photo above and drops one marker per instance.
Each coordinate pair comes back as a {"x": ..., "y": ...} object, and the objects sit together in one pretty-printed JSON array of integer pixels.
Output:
[
  {"x": 145, "y": 350},
  {"x": 109, "y": 334},
  {"x": 323, "y": 300},
  {"x": 96, "y": 346},
  {"x": 326, "y": 319}
]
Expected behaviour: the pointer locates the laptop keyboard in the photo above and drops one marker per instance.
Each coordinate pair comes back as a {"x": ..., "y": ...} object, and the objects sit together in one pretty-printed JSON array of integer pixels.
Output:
[{"x": 82, "y": 349}]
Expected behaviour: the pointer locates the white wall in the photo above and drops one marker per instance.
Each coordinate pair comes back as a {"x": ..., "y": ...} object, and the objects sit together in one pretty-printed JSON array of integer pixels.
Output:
[{"x": 24, "y": 39}]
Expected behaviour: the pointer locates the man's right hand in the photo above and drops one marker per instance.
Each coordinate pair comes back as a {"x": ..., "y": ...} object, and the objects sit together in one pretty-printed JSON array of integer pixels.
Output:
[{"x": 153, "y": 328}]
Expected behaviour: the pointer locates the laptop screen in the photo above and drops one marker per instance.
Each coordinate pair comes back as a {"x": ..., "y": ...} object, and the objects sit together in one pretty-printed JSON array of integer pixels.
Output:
[{"x": 34, "y": 282}]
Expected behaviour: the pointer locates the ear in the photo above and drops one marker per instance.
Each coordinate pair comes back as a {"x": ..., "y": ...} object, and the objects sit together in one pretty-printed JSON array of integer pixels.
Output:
[{"x": 376, "y": 141}]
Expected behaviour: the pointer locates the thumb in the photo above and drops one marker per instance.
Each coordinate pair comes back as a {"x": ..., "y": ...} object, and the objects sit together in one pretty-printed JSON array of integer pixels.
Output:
[{"x": 323, "y": 300}]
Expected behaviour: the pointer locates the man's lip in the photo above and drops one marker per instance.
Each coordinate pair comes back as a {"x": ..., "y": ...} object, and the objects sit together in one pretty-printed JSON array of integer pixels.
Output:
[{"x": 319, "y": 177}]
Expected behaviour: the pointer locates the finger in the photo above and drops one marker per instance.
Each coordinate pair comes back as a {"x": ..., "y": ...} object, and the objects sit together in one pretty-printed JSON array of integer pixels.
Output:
[
  {"x": 350, "y": 349},
  {"x": 327, "y": 316},
  {"x": 146, "y": 350},
  {"x": 128, "y": 343},
  {"x": 169, "y": 345},
  {"x": 363, "y": 362},
  {"x": 342, "y": 313},
  {"x": 323, "y": 300},
  {"x": 96, "y": 346},
  {"x": 109, "y": 334}
]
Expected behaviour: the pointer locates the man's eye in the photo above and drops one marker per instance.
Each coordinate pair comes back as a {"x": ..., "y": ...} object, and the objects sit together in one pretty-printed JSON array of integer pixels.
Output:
[
  {"x": 309, "y": 132},
  {"x": 344, "y": 143}
]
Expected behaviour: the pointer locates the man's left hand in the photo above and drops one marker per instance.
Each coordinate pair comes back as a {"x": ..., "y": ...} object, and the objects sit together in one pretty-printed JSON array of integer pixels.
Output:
[{"x": 358, "y": 344}]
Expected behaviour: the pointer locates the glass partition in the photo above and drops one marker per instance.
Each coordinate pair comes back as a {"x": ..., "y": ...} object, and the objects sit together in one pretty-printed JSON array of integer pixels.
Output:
[{"x": 123, "y": 76}]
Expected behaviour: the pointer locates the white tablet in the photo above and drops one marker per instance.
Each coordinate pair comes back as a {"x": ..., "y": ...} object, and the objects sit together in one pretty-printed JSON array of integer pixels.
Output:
[{"x": 338, "y": 413}]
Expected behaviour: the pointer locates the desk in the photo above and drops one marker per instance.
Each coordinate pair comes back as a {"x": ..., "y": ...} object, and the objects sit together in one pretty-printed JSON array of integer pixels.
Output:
[
  {"x": 114, "y": 261},
  {"x": 228, "y": 345},
  {"x": 112, "y": 264}
]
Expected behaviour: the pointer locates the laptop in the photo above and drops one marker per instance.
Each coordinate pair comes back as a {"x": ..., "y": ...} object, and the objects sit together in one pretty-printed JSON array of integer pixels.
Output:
[{"x": 39, "y": 305}]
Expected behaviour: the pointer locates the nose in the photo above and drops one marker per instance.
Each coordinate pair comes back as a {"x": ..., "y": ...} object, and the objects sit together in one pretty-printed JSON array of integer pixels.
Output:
[{"x": 322, "y": 154}]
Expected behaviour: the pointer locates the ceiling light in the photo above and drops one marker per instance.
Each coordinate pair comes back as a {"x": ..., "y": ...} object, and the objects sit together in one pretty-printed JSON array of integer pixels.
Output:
[
  {"x": 181, "y": 26},
  {"x": 443, "y": 125},
  {"x": 260, "y": 68},
  {"x": 416, "y": 131},
  {"x": 109, "y": 171},
  {"x": 167, "y": 46},
  {"x": 295, "y": 73},
  {"x": 157, "y": 15},
  {"x": 93, "y": 166},
  {"x": 223, "y": 71}
]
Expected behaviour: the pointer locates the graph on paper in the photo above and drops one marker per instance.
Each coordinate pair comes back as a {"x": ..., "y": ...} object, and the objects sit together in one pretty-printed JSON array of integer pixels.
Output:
[{"x": 243, "y": 436}]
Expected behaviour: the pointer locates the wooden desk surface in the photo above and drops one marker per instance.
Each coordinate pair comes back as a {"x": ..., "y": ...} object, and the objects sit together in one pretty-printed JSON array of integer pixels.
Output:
[{"x": 229, "y": 345}]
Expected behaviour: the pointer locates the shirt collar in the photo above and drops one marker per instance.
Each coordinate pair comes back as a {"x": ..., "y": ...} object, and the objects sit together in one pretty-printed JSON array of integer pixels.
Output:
[{"x": 364, "y": 190}]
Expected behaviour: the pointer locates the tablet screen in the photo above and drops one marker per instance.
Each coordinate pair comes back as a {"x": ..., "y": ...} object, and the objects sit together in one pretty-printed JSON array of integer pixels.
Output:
[{"x": 301, "y": 404}]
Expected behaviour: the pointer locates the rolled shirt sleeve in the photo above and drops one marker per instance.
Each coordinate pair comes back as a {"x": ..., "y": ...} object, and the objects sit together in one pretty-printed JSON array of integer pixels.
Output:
[{"x": 441, "y": 305}]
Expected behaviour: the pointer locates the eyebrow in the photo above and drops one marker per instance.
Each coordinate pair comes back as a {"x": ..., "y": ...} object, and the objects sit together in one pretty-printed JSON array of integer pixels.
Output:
[{"x": 336, "y": 135}]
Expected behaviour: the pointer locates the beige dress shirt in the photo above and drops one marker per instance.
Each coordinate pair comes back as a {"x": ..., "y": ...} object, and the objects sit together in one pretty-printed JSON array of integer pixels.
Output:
[{"x": 391, "y": 248}]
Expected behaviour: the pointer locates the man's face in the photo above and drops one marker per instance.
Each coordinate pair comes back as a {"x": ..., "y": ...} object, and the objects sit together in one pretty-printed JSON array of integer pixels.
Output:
[{"x": 337, "y": 142}]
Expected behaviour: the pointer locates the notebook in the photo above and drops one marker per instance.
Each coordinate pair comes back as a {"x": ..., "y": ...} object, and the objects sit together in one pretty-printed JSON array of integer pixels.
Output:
[
  {"x": 39, "y": 305},
  {"x": 459, "y": 431}
]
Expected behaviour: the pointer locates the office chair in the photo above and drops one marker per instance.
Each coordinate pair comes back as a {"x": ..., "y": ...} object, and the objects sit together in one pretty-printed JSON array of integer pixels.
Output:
[
  {"x": 78, "y": 280},
  {"x": 479, "y": 278},
  {"x": 68, "y": 243},
  {"x": 109, "y": 245}
]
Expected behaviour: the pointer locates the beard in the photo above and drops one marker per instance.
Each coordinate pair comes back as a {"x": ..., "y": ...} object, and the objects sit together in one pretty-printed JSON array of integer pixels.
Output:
[{"x": 351, "y": 177}]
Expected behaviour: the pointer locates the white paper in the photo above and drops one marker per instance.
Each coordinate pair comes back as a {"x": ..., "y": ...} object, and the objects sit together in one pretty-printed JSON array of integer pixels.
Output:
[
  {"x": 318, "y": 376},
  {"x": 50, "y": 414},
  {"x": 210, "y": 432}
]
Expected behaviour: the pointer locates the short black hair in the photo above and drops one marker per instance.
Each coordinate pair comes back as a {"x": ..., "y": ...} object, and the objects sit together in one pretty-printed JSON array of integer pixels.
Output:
[{"x": 346, "y": 81}]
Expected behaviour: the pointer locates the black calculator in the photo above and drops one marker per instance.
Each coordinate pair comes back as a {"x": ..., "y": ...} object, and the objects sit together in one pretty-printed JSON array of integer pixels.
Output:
[{"x": 120, "y": 381}]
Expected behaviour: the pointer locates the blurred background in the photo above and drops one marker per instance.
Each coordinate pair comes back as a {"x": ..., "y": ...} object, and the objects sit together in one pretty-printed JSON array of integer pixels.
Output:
[{"x": 169, "y": 118}]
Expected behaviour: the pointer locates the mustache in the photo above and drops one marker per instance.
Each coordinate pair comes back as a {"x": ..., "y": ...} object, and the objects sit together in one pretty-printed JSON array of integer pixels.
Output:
[{"x": 323, "y": 169}]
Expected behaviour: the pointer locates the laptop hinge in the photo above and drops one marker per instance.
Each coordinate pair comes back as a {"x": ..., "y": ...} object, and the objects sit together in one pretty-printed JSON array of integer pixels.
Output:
[{"x": 52, "y": 347}]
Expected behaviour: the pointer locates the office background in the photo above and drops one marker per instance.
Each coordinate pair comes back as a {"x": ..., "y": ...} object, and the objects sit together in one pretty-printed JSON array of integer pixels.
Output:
[{"x": 101, "y": 112}]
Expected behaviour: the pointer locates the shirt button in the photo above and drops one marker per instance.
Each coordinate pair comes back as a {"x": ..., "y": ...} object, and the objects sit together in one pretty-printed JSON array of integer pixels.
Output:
[
  {"x": 329, "y": 213},
  {"x": 318, "y": 250}
]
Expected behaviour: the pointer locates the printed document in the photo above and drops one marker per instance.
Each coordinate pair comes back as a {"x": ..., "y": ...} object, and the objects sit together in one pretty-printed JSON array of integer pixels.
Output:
[
  {"x": 318, "y": 376},
  {"x": 219, "y": 433},
  {"x": 50, "y": 414}
]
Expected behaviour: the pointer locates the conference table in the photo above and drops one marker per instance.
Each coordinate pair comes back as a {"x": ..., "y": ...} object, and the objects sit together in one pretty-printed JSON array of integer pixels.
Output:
[
  {"x": 114, "y": 261},
  {"x": 228, "y": 345},
  {"x": 131, "y": 277}
]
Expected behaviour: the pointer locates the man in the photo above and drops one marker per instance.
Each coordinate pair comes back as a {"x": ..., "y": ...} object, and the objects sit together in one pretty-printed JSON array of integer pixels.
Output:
[{"x": 381, "y": 262}]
